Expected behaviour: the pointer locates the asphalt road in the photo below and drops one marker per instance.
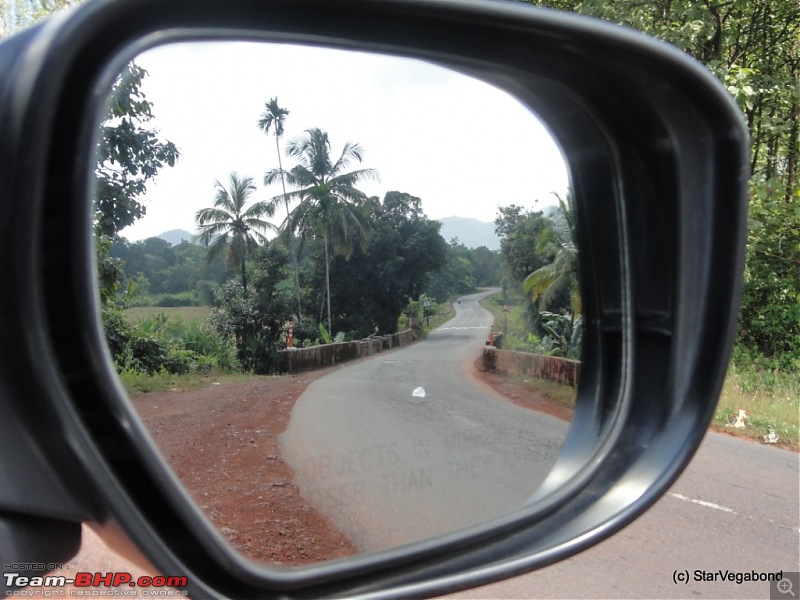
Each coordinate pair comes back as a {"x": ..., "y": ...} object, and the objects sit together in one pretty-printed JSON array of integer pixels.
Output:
[
  {"x": 735, "y": 509},
  {"x": 410, "y": 435}
]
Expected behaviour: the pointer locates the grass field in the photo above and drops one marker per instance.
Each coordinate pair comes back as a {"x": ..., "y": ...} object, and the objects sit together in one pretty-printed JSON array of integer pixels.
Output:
[
  {"x": 186, "y": 314},
  {"x": 142, "y": 383},
  {"x": 772, "y": 399}
]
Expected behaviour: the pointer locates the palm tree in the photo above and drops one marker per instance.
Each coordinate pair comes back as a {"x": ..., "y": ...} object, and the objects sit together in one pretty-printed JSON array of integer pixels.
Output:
[
  {"x": 231, "y": 226},
  {"x": 558, "y": 241},
  {"x": 273, "y": 119},
  {"x": 329, "y": 204}
]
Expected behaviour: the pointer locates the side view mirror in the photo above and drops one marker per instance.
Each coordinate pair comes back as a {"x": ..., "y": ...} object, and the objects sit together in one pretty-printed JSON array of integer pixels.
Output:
[{"x": 657, "y": 155}]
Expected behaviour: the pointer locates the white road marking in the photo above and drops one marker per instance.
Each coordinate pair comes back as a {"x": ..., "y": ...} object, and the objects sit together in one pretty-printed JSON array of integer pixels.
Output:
[
  {"x": 703, "y": 503},
  {"x": 731, "y": 511}
]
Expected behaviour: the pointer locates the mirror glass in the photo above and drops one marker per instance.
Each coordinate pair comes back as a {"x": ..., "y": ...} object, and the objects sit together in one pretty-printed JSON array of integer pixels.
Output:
[{"x": 340, "y": 289}]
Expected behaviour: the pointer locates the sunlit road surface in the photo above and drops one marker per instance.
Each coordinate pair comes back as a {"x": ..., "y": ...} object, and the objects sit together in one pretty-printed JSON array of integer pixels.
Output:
[
  {"x": 407, "y": 445},
  {"x": 736, "y": 509}
]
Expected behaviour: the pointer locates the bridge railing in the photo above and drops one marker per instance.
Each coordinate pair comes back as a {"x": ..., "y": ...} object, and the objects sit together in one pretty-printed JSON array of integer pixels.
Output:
[
  {"x": 552, "y": 368},
  {"x": 296, "y": 360}
]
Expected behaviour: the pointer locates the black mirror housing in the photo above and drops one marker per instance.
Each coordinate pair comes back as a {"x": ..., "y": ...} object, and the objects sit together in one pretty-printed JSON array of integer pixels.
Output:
[{"x": 658, "y": 157}]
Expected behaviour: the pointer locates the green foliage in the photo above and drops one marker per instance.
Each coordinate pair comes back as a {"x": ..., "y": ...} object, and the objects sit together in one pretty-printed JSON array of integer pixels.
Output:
[
  {"x": 273, "y": 119},
  {"x": 563, "y": 336},
  {"x": 16, "y": 14},
  {"x": 163, "y": 274},
  {"x": 158, "y": 343},
  {"x": 231, "y": 227},
  {"x": 548, "y": 320},
  {"x": 131, "y": 348},
  {"x": 752, "y": 46},
  {"x": 323, "y": 333},
  {"x": 254, "y": 317},
  {"x": 456, "y": 276},
  {"x": 371, "y": 289},
  {"x": 770, "y": 395},
  {"x": 424, "y": 315},
  {"x": 129, "y": 155},
  {"x": 769, "y": 319},
  {"x": 185, "y": 314},
  {"x": 330, "y": 207},
  {"x": 136, "y": 381},
  {"x": 515, "y": 324},
  {"x": 486, "y": 266},
  {"x": 109, "y": 271},
  {"x": 181, "y": 299},
  {"x": 518, "y": 230},
  {"x": 556, "y": 244}
]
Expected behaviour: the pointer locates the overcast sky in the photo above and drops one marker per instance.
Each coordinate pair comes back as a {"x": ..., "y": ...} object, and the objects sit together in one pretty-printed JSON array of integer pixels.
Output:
[{"x": 461, "y": 145}]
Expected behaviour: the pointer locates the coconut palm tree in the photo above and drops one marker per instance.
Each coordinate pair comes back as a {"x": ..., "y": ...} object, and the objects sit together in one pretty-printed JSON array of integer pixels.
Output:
[
  {"x": 233, "y": 227},
  {"x": 329, "y": 204},
  {"x": 557, "y": 240},
  {"x": 272, "y": 119}
]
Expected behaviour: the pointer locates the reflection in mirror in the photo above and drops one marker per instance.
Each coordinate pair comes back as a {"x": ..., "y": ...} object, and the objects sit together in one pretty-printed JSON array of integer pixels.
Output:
[{"x": 314, "y": 264}]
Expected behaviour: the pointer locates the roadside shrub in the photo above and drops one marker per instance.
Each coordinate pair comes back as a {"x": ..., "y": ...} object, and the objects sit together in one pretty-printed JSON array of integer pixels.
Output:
[
  {"x": 306, "y": 333},
  {"x": 158, "y": 343},
  {"x": 180, "y": 361},
  {"x": 179, "y": 299},
  {"x": 255, "y": 318},
  {"x": 117, "y": 330},
  {"x": 205, "y": 291},
  {"x": 144, "y": 353}
]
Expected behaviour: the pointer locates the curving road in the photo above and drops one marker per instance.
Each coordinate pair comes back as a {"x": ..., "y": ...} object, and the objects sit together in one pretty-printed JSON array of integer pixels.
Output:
[{"x": 406, "y": 445}]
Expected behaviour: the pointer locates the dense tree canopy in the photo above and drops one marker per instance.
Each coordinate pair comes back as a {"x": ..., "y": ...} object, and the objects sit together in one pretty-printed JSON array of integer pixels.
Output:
[
  {"x": 329, "y": 203},
  {"x": 556, "y": 244},
  {"x": 753, "y": 47},
  {"x": 518, "y": 230},
  {"x": 161, "y": 271},
  {"x": 129, "y": 155},
  {"x": 16, "y": 14},
  {"x": 255, "y": 317},
  {"x": 372, "y": 288}
]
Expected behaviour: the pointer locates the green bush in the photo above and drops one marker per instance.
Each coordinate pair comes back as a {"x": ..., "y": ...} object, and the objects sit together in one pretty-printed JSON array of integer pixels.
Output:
[
  {"x": 180, "y": 361},
  {"x": 179, "y": 299},
  {"x": 146, "y": 354},
  {"x": 158, "y": 343},
  {"x": 205, "y": 291}
]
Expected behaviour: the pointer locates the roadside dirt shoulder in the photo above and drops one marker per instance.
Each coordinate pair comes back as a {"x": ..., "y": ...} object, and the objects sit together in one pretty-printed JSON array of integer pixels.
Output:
[
  {"x": 518, "y": 394},
  {"x": 222, "y": 442}
]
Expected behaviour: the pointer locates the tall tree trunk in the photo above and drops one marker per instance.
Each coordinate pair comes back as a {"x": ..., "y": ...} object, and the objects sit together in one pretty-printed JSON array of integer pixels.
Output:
[
  {"x": 792, "y": 143},
  {"x": 289, "y": 243},
  {"x": 328, "y": 283},
  {"x": 244, "y": 276}
]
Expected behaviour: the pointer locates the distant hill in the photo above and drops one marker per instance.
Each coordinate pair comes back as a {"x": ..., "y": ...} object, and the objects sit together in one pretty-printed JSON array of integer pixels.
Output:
[
  {"x": 470, "y": 232},
  {"x": 175, "y": 236}
]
